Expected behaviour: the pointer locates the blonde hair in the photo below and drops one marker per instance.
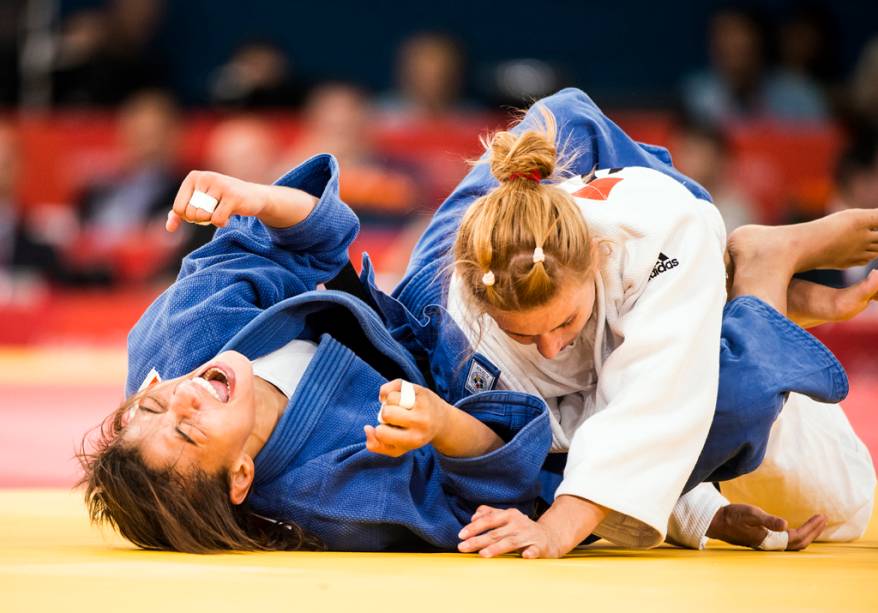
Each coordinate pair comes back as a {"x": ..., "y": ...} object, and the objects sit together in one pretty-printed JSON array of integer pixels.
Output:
[{"x": 520, "y": 242}]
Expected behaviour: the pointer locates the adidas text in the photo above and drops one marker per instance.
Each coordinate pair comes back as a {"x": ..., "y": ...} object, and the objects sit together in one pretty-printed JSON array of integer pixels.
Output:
[{"x": 664, "y": 264}]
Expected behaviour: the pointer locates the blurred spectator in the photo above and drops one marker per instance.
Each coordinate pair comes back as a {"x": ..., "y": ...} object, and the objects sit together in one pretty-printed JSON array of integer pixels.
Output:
[
  {"x": 22, "y": 249},
  {"x": 244, "y": 147},
  {"x": 856, "y": 174},
  {"x": 10, "y": 23},
  {"x": 739, "y": 85},
  {"x": 429, "y": 78},
  {"x": 864, "y": 85},
  {"x": 856, "y": 180},
  {"x": 257, "y": 76},
  {"x": 105, "y": 55},
  {"x": 702, "y": 152},
  {"x": 338, "y": 119},
  {"x": 518, "y": 82},
  {"x": 122, "y": 217},
  {"x": 857, "y": 184},
  {"x": 807, "y": 44}
]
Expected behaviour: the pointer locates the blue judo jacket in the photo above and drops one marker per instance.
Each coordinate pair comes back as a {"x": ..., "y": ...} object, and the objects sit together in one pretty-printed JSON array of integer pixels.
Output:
[{"x": 251, "y": 289}]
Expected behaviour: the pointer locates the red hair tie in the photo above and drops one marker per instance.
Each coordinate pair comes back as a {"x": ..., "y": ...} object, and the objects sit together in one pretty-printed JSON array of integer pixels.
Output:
[{"x": 533, "y": 175}]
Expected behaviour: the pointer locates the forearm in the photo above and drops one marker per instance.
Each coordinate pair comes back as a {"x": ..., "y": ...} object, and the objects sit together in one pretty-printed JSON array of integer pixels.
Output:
[
  {"x": 285, "y": 206},
  {"x": 464, "y": 436},
  {"x": 570, "y": 520}
]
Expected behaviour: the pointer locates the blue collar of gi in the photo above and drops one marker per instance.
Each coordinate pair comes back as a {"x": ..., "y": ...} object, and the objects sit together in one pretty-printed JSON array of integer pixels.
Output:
[
  {"x": 316, "y": 391},
  {"x": 288, "y": 320},
  {"x": 432, "y": 335}
]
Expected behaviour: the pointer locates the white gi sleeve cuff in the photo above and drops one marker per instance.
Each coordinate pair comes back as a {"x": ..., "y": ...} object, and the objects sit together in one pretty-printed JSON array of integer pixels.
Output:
[{"x": 691, "y": 517}]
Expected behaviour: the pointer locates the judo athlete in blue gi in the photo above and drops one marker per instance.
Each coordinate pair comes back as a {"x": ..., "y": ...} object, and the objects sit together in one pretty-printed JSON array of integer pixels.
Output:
[
  {"x": 603, "y": 291},
  {"x": 266, "y": 387}
]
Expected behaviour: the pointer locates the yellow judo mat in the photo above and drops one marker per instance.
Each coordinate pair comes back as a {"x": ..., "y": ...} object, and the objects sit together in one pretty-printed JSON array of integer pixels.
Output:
[{"x": 51, "y": 560}]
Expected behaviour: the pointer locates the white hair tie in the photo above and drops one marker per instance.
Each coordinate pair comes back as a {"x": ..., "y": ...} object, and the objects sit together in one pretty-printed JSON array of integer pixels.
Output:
[
  {"x": 488, "y": 278},
  {"x": 539, "y": 256}
]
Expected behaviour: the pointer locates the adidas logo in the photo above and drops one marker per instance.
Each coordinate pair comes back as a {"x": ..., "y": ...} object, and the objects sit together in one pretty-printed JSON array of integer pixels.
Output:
[{"x": 663, "y": 264}]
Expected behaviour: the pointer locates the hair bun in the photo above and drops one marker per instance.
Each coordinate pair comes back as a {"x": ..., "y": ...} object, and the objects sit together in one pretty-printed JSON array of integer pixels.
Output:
[{"x": 531, "y": 155}]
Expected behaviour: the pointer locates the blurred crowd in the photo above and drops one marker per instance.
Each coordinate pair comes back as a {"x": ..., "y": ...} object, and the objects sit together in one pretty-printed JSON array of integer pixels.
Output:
[{"x": 784, "y": 73}]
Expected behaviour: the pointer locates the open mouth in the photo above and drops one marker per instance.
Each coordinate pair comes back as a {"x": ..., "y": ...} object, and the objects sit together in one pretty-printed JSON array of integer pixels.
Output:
[{"x": 217, "y": 381}]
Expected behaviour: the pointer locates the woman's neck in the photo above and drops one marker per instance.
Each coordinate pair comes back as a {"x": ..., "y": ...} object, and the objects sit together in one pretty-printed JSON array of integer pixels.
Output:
[{"x": 270, "y": 406}]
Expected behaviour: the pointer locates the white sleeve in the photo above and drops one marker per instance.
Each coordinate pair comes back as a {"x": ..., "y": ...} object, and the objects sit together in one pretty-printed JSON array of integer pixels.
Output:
[
  {"x": 692, "y": 515},
  {"x": 657, "y": 390}
]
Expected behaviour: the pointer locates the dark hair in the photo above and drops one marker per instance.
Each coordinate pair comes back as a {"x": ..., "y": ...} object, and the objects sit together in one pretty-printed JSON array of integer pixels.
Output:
[
  {"x": 162, "y": 509},
  {"x": 859, "y": 155},
  {"x": 692, "y": 127}
]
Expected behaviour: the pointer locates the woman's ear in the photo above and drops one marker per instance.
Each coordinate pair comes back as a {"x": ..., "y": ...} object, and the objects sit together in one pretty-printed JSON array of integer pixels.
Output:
[
  {"x": 600, "y": 249},
  {"x": 241, "y": 478}
]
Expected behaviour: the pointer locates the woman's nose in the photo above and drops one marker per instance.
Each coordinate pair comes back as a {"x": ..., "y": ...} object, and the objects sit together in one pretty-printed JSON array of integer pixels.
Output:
[
  {"x": 549, "y": 345},
  {"x": 185, "y": 400}
]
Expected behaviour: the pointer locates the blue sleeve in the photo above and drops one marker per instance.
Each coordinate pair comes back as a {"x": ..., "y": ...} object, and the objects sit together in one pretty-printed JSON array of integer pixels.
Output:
[
  {"x": 353, "y": 499},
  {"x": 509, "y": 474},
  {"x": 584, "y": 133},
  {"x": 246, "y": 268}
]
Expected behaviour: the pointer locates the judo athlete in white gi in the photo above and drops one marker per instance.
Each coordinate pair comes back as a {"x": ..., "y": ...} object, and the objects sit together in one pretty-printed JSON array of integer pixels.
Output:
[{"x": 616, "y": 323}]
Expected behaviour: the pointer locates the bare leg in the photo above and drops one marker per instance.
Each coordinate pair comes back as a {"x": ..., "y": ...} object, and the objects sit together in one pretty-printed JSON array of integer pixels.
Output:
[
  {"x": 810, "y": 304},
  {"x": 763, "y": 259}
]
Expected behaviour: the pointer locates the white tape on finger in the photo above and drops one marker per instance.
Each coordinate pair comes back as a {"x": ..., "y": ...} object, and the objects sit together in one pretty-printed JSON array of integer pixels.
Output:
[
  {"x": 205, "y": 202},
  {"x": 775, "y": 541},
  {"x": 407, "y": 395},
  {"x": 406, "y": 400}
]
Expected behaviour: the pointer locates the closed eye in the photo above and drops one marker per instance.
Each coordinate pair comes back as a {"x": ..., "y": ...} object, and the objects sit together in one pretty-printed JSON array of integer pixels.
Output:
[
  {"x": 184, "y": 436},
  {"x": 155, "y": 405}
]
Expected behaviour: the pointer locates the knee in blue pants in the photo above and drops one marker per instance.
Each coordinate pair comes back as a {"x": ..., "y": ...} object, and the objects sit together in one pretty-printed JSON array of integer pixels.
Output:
[{"x": 763, "y": 357}]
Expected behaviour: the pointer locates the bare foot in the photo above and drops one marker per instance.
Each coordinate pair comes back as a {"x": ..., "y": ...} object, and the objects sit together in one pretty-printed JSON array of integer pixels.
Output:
[
  {"x": 811, "y": 304},
  {"x": 840, "y": 240},
  {"x": 758, "y": 266}
]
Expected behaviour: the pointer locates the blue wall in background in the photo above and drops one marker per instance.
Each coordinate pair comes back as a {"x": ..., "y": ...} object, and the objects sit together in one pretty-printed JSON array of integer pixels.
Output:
[{"x": 623, "y": 51}]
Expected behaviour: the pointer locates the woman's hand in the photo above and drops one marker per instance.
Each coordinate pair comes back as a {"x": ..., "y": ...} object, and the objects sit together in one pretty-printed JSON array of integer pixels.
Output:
[
  {"x": 562, "y": 527},
  {"x": 492, "y": 532},
  {"x": 747, "y": 525},
  {"x": 451, "y": 431},
  {"x": 406, "y": 429},
  {"x": 274, "y": 205}
]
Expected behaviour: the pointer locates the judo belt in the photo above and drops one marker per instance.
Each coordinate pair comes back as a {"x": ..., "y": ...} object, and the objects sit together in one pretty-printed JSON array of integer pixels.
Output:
[
  {"x": 349, "y": 282},
  {"x": 345, "y": 327}
]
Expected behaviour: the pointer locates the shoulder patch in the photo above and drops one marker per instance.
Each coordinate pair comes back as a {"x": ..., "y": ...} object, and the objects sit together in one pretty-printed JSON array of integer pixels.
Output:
[
  {"x": 598, "y": 189},
  {"x": 482, "y": 376}
]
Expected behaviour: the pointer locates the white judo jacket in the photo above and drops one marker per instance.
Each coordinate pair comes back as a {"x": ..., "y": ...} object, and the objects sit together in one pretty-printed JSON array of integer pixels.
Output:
[{"x": 632, "y": 401}]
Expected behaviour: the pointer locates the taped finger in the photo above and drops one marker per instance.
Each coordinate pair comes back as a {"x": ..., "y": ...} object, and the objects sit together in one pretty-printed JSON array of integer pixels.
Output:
[
  {"x": 203, "y": 201},
  {"x": 395, "y": 416},
  {"x": 407, "y": 395},
  {"x": 774, "y": 541}
]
